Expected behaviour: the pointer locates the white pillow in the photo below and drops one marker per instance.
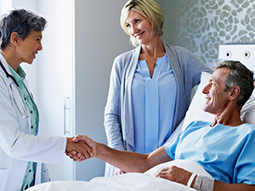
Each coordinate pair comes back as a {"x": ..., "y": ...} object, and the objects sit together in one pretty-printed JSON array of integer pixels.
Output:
[
  {"x": 248, "y": 110},
  {"x": 196, "y": 112}
]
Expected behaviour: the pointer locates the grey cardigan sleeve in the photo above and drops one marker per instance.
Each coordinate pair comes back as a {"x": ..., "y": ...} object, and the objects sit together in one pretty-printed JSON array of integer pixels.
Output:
[{"x": 112, "y": 121}]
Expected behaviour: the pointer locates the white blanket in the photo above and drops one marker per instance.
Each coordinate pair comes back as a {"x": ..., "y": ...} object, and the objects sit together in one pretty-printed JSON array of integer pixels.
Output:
[{"x": 127, "y": 182}]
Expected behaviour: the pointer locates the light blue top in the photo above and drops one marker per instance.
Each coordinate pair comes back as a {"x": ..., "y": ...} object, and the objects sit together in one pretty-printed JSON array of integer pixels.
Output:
[
  {"x": 118, "y": 118},
  {"x": 29, "y": 177},
  {"x": 153, "y": 104},
  {"x": 227, "y": 153},
  {"x": 118, "y": 115}
]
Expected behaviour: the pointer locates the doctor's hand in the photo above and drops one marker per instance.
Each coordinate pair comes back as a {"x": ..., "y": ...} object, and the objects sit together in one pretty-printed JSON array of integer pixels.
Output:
[
  {"x": 175, "y": 174},
  {"x": 88, "y": 142},
  {"x": 78, "y": 150}
]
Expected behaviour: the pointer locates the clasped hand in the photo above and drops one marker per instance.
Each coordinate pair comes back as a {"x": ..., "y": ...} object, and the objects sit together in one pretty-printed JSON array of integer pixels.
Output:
[{"x": 80, "y": 148}]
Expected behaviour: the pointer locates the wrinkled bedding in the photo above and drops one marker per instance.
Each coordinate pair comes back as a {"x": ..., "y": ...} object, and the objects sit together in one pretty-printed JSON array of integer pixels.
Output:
[{"x": 127, "y": 182}]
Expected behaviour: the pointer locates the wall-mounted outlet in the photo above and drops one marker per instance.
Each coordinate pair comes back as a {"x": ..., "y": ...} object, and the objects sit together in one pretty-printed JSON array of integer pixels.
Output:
[{"x": 245, "y": 53}]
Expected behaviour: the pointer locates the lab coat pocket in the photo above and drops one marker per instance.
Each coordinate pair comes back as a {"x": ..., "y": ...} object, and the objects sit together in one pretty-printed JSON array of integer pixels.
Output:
[{"x": 3, "y": 176}]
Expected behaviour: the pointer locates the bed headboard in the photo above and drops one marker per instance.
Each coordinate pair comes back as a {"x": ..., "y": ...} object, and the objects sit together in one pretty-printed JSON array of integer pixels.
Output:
[{"x": 245, "y": 53}]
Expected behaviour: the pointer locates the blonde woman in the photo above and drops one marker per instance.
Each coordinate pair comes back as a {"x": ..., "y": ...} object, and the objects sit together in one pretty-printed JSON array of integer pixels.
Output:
[{"x": 150, "y": 86}]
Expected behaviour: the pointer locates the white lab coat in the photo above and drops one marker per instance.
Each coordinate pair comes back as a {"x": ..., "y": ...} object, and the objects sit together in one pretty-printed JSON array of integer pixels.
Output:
[{"x": 17, "y": 145}]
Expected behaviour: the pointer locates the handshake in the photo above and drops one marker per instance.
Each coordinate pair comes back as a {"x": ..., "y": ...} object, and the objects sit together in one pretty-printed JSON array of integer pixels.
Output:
[{"x": 80, "y": 148}]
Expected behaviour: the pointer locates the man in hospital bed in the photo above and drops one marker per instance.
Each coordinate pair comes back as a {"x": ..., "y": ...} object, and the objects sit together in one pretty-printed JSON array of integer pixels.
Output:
[{"x": 224, "y": 148}]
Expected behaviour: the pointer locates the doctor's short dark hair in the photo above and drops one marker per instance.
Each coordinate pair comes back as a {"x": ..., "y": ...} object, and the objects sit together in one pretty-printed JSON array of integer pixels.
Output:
[
  {"x": 20, "y": 21},
  {"x": 241, "y": 76}
]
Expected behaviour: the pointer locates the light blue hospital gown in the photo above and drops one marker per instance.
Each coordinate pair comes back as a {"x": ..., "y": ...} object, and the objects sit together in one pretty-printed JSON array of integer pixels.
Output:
[
  {"x": 227, "y": 153},
  {"x": 153, "y": 104}
]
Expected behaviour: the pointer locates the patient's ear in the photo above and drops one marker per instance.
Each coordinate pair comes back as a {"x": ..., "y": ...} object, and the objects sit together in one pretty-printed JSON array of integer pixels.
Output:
[{"x": 234, "y": 93}]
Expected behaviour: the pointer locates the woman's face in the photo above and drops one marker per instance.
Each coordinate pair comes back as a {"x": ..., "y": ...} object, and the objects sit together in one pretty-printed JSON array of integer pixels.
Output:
[
  {"x": 139, "y": 27},
  {"x": 29, "y": 47}
]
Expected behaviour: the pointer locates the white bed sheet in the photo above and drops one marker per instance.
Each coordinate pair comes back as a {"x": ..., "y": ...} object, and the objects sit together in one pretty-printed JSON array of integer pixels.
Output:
[{"x": 128, "y": 182}]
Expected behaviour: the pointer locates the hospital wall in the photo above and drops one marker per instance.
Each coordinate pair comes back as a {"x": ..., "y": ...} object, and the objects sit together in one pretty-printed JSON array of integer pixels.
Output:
[
  {"x": 93, "y": 38},
  {"x": 201, "y": 25},
  {"x": 98, "y": 40}
]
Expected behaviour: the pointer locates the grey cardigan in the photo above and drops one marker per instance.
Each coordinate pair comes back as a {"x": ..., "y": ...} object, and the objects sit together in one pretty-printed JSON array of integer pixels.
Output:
[{"x": 118, "y": 117}]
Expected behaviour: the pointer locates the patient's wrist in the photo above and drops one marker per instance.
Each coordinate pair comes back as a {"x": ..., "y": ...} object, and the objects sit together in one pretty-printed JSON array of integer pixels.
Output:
[
  {"x": 191, "y": 179},
  {"x": 204, "y": 183}
]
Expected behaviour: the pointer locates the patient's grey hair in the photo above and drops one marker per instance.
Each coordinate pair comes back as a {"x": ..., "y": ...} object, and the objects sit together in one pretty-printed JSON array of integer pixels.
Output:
[
  {"x": 20, "y": 21},
  {"x": 150, "y": 9},
  {"x": 241, "y": 76}
]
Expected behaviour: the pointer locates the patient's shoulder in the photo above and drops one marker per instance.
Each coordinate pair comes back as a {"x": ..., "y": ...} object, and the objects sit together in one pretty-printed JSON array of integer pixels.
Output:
[
  {"x": 198, "y": 124},
  {"x": 250, "y": 128}
]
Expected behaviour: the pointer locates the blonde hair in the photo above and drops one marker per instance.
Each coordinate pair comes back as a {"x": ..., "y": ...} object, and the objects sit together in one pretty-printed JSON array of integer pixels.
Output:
[{"x": 150, "y": 9}]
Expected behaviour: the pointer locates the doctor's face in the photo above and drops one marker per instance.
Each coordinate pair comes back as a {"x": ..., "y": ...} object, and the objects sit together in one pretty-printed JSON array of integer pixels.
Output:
[
  {"x": 216, "y": 98},
  {"x": 28, "y": 48}
]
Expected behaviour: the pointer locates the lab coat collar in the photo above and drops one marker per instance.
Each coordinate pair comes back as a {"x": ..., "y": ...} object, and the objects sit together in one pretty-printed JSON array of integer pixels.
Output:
[
  {"x": 19, "y": 75},
  {"x": 5, "y": 64},
  {"x": 6, "y": 68}
]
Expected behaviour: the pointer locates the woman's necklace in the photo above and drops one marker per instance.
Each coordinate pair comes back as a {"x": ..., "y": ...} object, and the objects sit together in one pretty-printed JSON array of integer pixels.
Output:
[{"x": 154, "y": 64}]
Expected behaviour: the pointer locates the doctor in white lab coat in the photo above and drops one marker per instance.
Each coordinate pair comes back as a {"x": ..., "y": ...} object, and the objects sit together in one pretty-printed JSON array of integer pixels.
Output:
[{"x": 22, "y": 153}]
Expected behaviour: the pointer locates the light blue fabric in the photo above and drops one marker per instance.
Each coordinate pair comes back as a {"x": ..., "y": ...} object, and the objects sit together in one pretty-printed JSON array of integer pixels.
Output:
[
  {"x": 153, "y": 104},
  {"x": 227, "y": 153},
  {"x": 29, "y": 178},
  {"x": 118, "y": 115}
]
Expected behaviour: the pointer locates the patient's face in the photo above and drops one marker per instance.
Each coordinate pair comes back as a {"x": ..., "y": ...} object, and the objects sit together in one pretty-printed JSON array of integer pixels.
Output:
[{"x": 216, "y": 98}]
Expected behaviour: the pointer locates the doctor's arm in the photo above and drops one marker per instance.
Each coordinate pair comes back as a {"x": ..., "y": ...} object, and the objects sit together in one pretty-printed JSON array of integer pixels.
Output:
[
  {"x": 18, "y": 143},
  {"x": 125, "y": 160}
]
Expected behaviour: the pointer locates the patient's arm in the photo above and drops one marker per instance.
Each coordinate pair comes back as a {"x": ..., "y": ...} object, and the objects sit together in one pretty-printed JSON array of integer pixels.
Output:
[
  {"x": 125, "y": 160},
  {"x": 182, "y": 176},
  {"x": 220, "y": 186}
]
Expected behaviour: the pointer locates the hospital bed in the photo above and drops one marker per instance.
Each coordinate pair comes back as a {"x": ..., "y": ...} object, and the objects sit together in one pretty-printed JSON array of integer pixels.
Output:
[{"x": 147, "y": 181}]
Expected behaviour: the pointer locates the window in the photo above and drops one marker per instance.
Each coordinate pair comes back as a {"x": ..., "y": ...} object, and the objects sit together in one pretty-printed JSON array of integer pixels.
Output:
[
  {"x": 5, "y": 6},
  {"x": 1, "y": 6}
]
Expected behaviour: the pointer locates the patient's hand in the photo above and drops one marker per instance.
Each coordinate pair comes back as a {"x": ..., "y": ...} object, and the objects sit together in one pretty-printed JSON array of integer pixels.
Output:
[
  {"x": 175, "y": 174},
  {"x": 89, "y": 149},
  {"x": 78, "y": 150}
]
